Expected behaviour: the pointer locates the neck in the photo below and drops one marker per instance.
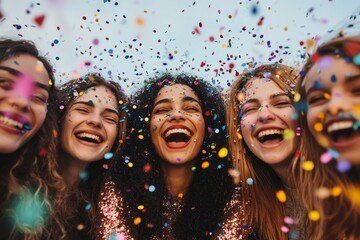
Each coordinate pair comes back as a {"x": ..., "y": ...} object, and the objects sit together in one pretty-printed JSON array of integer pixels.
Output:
[
  {"x": 282, "y": 170},
  {"x": 72, "y": 167},
  {"x": 177, "y": 178}
]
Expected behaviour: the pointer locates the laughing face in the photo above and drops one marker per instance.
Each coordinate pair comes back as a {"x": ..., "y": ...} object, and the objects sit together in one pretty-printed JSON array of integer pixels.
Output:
[
  {"x": 24, "y": 86},
  {"x": 266, "y": 115},
  {"x": 177, "y": 125},
  {"x": 333, "y": 94},
  {"x": 91, "y": 125}
]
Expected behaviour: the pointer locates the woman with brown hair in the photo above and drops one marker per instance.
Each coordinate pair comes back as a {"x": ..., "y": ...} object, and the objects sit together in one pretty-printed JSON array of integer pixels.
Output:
[
  {"x": 263, "y": 144},
  {"x": 30, "y": 186},
  {"x": 329, "y": 88}
]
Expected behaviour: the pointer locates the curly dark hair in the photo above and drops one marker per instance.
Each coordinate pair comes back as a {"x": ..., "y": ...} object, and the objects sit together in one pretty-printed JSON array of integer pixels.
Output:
[
  {"x": 33, "y": 168},
  {"x": 86, "y": 193},
  {"x": 210, "y": 188}
]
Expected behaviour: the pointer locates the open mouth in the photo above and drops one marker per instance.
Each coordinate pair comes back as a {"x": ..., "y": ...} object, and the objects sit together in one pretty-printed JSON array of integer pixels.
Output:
[
  {"x": 341, "y": 131},
  {"x": 13, "y": 123},
  {"x": 269, "y": 136},
  {"x": 177, "y": 135},
  {"x": 88, "y": 137}
]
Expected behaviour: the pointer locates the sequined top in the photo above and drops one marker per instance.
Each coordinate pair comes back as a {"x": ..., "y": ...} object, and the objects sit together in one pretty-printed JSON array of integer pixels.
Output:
[
  {"x": 113, "y": 224},
  {"x": 234, "y": 224},
  {"x": 298, "y": 213}
]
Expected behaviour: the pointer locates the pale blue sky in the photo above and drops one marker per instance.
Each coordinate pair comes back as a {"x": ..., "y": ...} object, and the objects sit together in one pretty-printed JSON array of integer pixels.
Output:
[{"x": 129, "y": 52}]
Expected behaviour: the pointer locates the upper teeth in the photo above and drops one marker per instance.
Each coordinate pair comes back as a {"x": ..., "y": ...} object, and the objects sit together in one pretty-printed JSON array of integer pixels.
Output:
[
  {"x": 177, "y": 130},
  {"x": 339, "y": 125},
  {"x": 11, "y": 122},
  {"x": 88, "y": 135},
  {"x": 270, "y": 132}
]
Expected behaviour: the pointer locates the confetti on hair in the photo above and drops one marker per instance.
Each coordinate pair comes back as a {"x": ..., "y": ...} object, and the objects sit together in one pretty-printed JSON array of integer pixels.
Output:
[
  {"x": 314, "y": 215},
  {"x": 250, "y": 181},
  {"x": 281, "y": 196},
  {"x": 223, "y": 152},
  {"x": 108, "y": 155},
  {"x": 322, "y": 192},
  {"x": 336, "y": 191},
  {"x": 343, "y": 166},
  {"x": 308, "y": 165}
]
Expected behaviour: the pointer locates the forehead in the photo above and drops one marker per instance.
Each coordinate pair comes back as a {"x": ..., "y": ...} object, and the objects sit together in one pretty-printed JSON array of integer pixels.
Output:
[
  {"x": 260, "y": 88},
  {"x": 176, "y": 92},
  {"x": 330, "y": 71},
  {"x": 29, "y": 66},
  {"x": 98, "y": 94}
]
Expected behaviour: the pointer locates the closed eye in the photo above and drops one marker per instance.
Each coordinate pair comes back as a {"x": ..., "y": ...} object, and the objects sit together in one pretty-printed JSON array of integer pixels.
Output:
[{"x": 81, "y": 110}]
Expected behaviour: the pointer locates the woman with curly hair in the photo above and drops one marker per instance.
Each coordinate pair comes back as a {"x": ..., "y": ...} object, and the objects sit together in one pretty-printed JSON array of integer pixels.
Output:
[
  {"x": 31, "y": 187},
  {"x": 174, "y": 170},
  {"x": 329, "y": 87},
  {"x": 92, "y": 133},
  {"x": 263, "y": 145}
]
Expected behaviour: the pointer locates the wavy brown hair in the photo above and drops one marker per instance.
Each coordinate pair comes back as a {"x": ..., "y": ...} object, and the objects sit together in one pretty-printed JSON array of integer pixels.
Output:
[
  {"x": 264, "y": 211},
  {"x": 31, "y": 172},
  {"x": 86, "y": 193},
  {"x": 339, "y": 217}
]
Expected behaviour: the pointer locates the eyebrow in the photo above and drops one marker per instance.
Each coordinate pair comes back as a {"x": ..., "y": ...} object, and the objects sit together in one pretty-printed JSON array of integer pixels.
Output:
[
  {"x": 184, "y": 99},
  {"x": 92, "y": 105},
  {"x": 272, "y": 96},
  {"x": 352, "y": 78},
  {"x": 16, "y": 73}
]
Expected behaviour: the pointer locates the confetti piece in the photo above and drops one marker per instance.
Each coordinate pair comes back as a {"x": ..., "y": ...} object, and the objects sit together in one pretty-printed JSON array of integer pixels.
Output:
[
  {"x": 288, "y": 134},
  {"x": 356, "y": 59},
  {"x": 108, "y": 155},
  {"x": 323, "y": 192},
  {"x": 336, "y": 191},
  {"x": 289, "y": 220},
  {"x": 308, "y": 165},
  {"x": 39, "y": 20},
  {"x": 281, "y": 196},
  {"x": 80, "y": 227},
  {"x": 325, "y": 157},
  {"x": 250, "y": 181},
  {"x": 318, "y": 127},
  {"x": 314, "y": 215},
  {"x": 353, "y": 193},
  {"x": 152, "y": 188},
  {"x": 223, "y": 152},
  {"x": 141, "y": 137},
  {"x": 343, "y": 166},
  {"x": 140, "y": 207},
  {"x": 284, "y": 229},
  {"x": 205, "y": 164},
  {"x": 137, "y": 220}
]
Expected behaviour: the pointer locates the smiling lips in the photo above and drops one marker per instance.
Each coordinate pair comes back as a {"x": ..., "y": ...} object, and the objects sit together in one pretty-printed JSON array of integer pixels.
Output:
[
  {"x": 14, "y": 121},
  {"x": 177, "y": 137},
  {"x": 269, "y": 136},
  {"x": 89, "y": 137},
  {"x": 341, "y": 132}
]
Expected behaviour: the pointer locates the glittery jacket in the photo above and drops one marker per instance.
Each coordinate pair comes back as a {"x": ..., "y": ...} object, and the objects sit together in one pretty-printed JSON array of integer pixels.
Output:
[
  {"x": 114, "y": 226},
  {"x": 112, "y": 220}
]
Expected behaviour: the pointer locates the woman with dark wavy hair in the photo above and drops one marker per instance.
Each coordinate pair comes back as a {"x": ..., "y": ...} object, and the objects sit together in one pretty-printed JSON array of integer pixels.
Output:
[
  {"x": 92, "y": 134},
  {"x": 174, "y": 170},
  {"x": 30, "y": 186}
]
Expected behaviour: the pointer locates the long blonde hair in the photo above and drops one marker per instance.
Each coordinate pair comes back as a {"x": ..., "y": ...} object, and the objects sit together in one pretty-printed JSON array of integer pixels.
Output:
[
  {"x": 339, "y": 216},
  {"x": 266, "y": 182}
]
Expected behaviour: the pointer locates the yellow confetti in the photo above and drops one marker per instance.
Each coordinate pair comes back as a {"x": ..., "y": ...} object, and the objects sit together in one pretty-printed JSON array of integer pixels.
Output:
[
  {"x": 322, "y": 140},
  {"x": 318, "y": 127},
  {"x": 314, "y": 215},
  {"x": 205, "y": 164},
  {"x": 356, "y": 111},
  {"x": 297, "y": 97},
  {"x": 288, "y": 134},
  {"x": 146, "y": 119},
  {"x": 213, "y": 146},
  {"x": 140, "y": 207},
  {"x": 281, "y": 196},
  {"x": 134, "y": 106},
  {"x": 310, "y": 43},
  {"x": 121, "y": 102},
  {"x": 130, "y": 164},
  {"x": 137, "y": 220},
  {"x": 240, "y": 97},
  {"x": 141, "y": 137},
  {"x": 223, "y": 152},
  {"x": 308, "y": 165},
  {"x": 239, "y": 136},
  {"x": 327, "y": 96},
  {"x": 50, "y": 82},
  {"x": 224, "y": 45},
  {"x": 91, "y": 78},
  {"x": 140, "y": 21},
  {"x": 354, "y": 195},
  {"x": 336, "y": 191}
]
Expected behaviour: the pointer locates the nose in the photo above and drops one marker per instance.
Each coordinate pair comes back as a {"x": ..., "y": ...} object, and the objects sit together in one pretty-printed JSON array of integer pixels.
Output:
[
  {"x": 94, "y": 120},
  {"x": 338, "y": 103},
  {"x": 20, "y": 102},
  {"x": 265, "y": 114},
  {"x": 176, "y": 115}
]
